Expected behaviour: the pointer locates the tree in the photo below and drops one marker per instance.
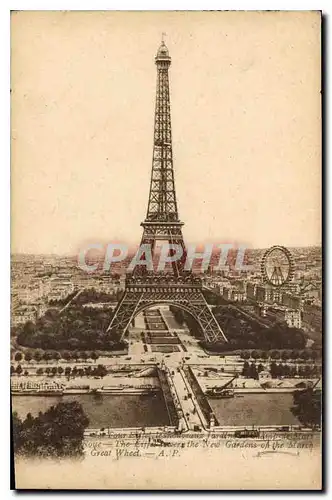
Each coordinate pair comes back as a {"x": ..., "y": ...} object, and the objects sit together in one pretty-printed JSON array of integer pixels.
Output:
[
  {"x": 47, "y": 356},
  {"x": 76, "y": 355},
  {"x": 245, "y": 355},
  {"x": 264, "y": 355},
  {"x": 37, "y": 355},
  {"x": 260, "y": 368},
  {"x": 56, "y": 355},
  {"x": 76, "y": 328},
  {"x": 19, "y": 369},
  {"x": 275, "y": 355},
  {"x": 26, "y": 373},
  {"x": 101, "y": 371},
  {"x": 40, "y": 371},
  {"x": 292, "y": 371},
  {"x": 273, "y": 369},
  {"x": 245, "y": 370},
  {"x": 28, "y": 356},
  {"x": 304, "y": 355},
  {"x": 307, "y": 407},
  {"x": 280, "y": 370},
  {"x": 58, "y": 432},
  {"x": 255, "y": 354},
  {"x": 47, "y": 370},
  {"x": 29, "y": 328},
  {"x": 284, "y": 355},
  {"x": 307, "y": 370},
  {"x": 67, "y": 371},
  {"x": 314, "y": 355},
  {"x": 66, "y": 355},
  {"x": 51, "y": 314},
  {"x": 253, "y": 371},
  {"x": 309, "y": 354},
  {"x": 16, "y": 431},
  {"x": 84, "y": 355},
  {"x": 87, "y": 371},
  {"x": 294, "y": 355},
  {"x": 12, "y": 369},
  {"x": 280, "y": 336},
  {"x": 73, "y": 343},
  {"x": 54, "y": 370},
  {"x": 18, "y": 356},
  {"x": 286, "y": 370},
  {"x": 60, "y": 370},
  {"x": 94, "y": 356}
]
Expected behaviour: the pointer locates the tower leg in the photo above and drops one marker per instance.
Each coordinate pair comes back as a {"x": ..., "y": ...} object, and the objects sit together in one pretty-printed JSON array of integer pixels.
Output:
[
  {"x": 124, "y": 314},
  {"x": 193, "y": 303}
]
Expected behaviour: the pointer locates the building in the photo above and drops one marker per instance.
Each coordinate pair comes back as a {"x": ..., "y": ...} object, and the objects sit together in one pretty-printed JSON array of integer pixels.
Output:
[
  {"x": 31, "y": 385},
  {"x": 293, "y": 318},
  {"x": 60, "y": 289},
  {"x": 291, "y": 301},
  {"x": 268, "y": 294},
  {"x": 251, "y": 290},
  {"x": 227, "y": 293},
  {"x": 280, "y": 314},
  {"x": 25, "y": 313},
  {"x": 312, "y": 316}
]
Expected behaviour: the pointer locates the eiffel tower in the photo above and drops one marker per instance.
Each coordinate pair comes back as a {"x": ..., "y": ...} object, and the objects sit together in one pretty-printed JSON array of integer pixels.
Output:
[{"x": 179, "y": 287}]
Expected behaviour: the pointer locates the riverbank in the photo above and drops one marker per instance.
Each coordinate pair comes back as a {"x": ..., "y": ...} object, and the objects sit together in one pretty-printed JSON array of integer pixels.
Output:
[
  {"x": 125, "y": 391},
  {"x": 134, "y": 382},
  {"x": 256, "y": 390}
]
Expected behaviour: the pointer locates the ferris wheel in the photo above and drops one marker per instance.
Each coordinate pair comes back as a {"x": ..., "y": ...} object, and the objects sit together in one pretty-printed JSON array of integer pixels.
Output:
[{"x": 277, "y": 266}]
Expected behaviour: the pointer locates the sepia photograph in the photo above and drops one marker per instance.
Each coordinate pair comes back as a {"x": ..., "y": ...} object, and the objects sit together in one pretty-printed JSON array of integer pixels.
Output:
[{"x": 166, "y": 250}]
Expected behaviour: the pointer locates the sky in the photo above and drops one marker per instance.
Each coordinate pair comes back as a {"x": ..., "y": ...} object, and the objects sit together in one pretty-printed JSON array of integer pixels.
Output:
[{"x": 246, "y": 126}]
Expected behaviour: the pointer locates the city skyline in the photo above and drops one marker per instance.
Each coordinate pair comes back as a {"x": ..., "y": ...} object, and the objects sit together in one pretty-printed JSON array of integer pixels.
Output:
[{"x": 82, "y": 140}]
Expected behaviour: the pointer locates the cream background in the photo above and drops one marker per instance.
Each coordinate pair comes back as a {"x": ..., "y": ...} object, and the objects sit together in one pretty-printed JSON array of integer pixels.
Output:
[
  {"x": 245, "y": 100},
  {"x": 219, "y": 468}
]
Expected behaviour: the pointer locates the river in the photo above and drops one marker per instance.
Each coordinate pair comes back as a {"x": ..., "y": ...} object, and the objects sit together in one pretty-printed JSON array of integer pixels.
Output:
[
  {"x": 255, "y": 409},
  {"x": 105, "y": 410},
  {"x": 150, "y": 410}
]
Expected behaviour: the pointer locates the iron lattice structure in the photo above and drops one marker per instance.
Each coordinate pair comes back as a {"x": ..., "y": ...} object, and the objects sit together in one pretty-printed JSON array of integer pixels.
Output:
[{"x": 177, "y": 287}]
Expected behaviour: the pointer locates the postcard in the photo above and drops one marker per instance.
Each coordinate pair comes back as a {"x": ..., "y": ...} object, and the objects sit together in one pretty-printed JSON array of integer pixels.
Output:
[{"x": 166, "y": 260}]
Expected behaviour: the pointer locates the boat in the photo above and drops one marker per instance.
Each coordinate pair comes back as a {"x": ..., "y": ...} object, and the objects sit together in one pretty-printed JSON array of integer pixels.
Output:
[
  {"x": 52, "y": 392},
  {"x": 77, "y": 389},
  {"x": 246, "y": 433},
  {"x": 110, "y": 389},
  {"x": 23, "y": 392},
  {"x": 220, "y": 393},
  {"x": 36, "y": 392},
  {"x": 126, "y": 390},
  {"x": 72, "y": 390}
]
